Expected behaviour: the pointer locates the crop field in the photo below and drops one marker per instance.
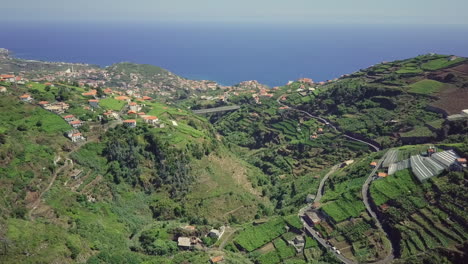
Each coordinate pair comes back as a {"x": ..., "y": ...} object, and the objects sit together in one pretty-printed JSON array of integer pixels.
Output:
[
  {"x": 440, "y": 64},
  {"x": 409, "y": 70},
  {"x": 269, "y": 258},
  {"x": 112, "y": 104},
  {"x": 288, "y": 128},
  {"x": 284, "y": 250},
  {"x": 254, "y": 237},
  {"x": 393, "y": 186},
  {"x": 347, "y": 206},
  {"x": 420, "y": 131},
  {"x": 160, "y": 109},
  {"x": 426, "y": 87}
]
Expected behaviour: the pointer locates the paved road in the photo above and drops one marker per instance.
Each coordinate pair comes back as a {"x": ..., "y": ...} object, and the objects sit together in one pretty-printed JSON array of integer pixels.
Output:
[
  {"x": 366, "y": 197},
  {"x": 322, "y": 241},
  {"x": 319, "y": 194},
  {"x": 326, "y": 122},
  {"x": 318, "y": 197},
  {"x": 216, "y": 109},
  {"x": 365, "y": 191}
]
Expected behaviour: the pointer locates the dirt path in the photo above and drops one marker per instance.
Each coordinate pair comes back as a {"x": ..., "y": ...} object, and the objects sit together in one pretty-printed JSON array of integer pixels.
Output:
[
  {"x": 232, "y": 211},
  {"x": 37, "y": 201},
  {"x": 228, "y": 233}
]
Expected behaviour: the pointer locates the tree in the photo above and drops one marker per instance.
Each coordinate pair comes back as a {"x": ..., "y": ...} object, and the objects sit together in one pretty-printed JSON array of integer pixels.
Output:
[{"x": 63, "y": 94}]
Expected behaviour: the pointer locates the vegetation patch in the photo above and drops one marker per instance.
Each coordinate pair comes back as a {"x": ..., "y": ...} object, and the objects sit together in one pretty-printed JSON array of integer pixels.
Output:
[{"x": 426, "y": 87}]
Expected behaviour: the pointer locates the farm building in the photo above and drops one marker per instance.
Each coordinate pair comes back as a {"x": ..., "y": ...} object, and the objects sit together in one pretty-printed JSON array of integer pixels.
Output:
[
  {"x": 312, "y": 218},
  {"x": 184, "y": 242}
]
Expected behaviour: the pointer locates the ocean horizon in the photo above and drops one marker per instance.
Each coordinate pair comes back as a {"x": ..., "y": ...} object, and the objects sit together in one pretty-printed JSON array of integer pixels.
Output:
[{"x": 229, "y": 54}]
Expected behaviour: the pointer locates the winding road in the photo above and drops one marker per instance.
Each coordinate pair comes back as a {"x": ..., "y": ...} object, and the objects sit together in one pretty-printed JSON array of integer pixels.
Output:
[{"x": 365, "y": 192}]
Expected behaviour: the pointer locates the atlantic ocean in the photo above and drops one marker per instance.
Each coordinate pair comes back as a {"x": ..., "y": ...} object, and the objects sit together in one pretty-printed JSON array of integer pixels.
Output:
[{"x": 229, "y": 54}]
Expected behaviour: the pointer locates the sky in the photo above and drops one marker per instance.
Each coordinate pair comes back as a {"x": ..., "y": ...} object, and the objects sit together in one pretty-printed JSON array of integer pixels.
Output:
[{"x": 430, "y": 12}]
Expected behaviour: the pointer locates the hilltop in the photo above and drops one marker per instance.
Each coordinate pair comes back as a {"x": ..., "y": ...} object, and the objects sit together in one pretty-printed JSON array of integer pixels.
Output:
[{"x": 111, "y": 165}]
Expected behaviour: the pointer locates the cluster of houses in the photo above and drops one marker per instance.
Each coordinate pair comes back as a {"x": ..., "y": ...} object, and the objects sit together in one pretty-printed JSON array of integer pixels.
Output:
[
  {"x": 74, "y": 135},
  {"x": 56, "y": 107},
  {"x": 12, "y": 79},
  {"x": 316, "y": 134}
]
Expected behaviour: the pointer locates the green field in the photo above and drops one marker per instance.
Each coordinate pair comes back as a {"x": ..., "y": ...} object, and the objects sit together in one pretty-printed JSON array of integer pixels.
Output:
[
  {"x": 440, "y": 64},
  {"x": 254, "y": 237},
  {"x": 426, "y": 87},
  {"x": 393, "y": 186},
  {"x": 421, "y": 131},
  {"x": 347, "y": 206},
  {"x": 112, "y": 104},
  {"x": 284, "y": 250}
]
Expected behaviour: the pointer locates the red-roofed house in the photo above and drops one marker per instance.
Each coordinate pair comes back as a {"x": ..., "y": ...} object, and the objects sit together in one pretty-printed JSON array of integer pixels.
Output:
[
  {"x": 130, "y": 123},
  {"x": 382, "y": 174},
  {"x": 75, "y": 123},
  {"x": 147, "y": 98},
  {"x": 306, "y": 80},
  {"x": 216, "y": 259},
  {"x": 25, "y": 97},
  {"x": 7, "y": 78},
  {"x": 134, "y": 106},
  {"x": 69, "y": 117},
  {"x": 90, "y": 93},
  {"x": 122, "y": 98},
  {"x": 43, "y": 103},
  {"x": 131, "y": 112},
  {"x": 94, "y": 103},
  {"x": 152, "y": 120},
  {"x": 107, "y": 91},
  {"x": 373, "y": 164}
]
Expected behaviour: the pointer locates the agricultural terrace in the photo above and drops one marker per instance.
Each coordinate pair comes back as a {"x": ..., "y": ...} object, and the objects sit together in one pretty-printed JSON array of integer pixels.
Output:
[
  {"x": 440, "y": 63},
  {"x": 391, "y": 187},
  {"x": 159, "y": 109},
  {"x": 426, "y": 87},
  {"x": 424, "y": 223},
  {"x": 255, "y": 236},
  {"x": 342, "y": 199}
]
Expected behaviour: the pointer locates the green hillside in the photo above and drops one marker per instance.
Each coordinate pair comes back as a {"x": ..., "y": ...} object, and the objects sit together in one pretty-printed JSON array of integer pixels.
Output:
[{"x": 124, "y": 194}]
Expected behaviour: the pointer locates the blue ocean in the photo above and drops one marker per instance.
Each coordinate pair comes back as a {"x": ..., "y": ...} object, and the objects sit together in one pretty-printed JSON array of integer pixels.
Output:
[{"x": 228, "y": 54}]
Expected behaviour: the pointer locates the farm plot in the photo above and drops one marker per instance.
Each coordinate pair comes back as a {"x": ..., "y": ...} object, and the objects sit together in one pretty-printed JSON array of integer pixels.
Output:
[
  {"x": 393, "y": 186},
  {"x": 426, "y": 87},
  {"x": 112, "y": 104},
  {"x": 440, "y": 63},
  {"x": 254, "y": 237}
]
